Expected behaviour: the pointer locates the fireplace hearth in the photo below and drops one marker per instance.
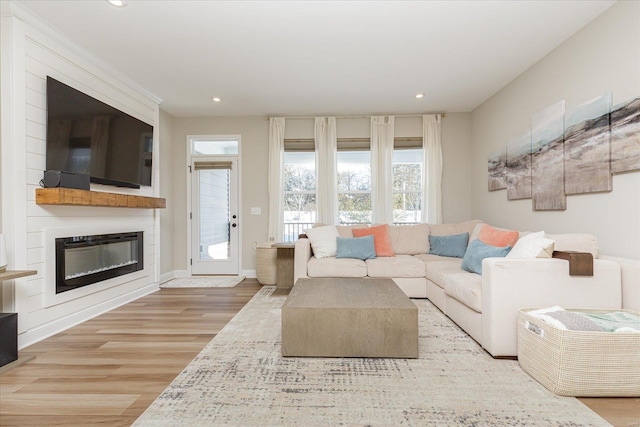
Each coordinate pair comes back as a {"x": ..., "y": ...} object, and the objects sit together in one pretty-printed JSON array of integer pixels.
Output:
[{"x": 84, "y": 260}]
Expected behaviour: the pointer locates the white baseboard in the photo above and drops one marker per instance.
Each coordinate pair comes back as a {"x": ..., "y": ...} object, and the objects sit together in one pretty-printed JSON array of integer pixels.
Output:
[
  {"x": 250, "y": 274},
  {"x": 165, "y": 277},
  {"x": 38, "y": 334}
]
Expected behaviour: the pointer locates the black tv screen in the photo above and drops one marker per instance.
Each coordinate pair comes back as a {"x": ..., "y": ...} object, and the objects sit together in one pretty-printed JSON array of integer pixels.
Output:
[{"x": 87, "y": 136}]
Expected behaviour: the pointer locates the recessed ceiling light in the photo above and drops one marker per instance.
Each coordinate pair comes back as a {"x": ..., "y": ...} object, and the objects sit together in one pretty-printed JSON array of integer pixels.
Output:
[
  {"x": 117, "y": 3},
  {"x": 215, "y": 99},
  {"x": 419, "y": 95}
]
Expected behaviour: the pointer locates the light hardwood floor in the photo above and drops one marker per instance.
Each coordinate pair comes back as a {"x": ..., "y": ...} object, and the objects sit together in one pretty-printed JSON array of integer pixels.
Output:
[{"x": 108, "y": 370}]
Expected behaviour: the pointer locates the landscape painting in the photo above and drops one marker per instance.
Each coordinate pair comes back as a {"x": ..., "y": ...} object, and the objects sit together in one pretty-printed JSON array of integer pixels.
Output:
[
  {"x": 547, "y": 158},
  {"x": 587, "y": 167},
  {"x": 625, "y": 137},
  {"x": 497, "y": 163},
  {"x": 519, "y": 167}
]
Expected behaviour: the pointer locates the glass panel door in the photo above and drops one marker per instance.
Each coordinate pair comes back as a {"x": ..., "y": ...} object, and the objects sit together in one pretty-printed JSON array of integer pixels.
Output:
[{"x": 214, "y": 216}]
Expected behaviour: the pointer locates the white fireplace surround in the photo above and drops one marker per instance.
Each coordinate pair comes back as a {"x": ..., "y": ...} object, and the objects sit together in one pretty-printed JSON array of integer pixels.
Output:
[{"x": 51, "y": 234}]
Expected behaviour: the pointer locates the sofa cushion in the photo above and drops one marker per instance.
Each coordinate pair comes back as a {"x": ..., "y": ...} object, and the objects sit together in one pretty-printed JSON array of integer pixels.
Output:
[
  {"x": 452, "y": 246},
  {"x": 336, "y": 267},
  {"x": 323, "y": 240},
  {"x": 409, "y": 239},
  {"x": 380, "y": 236},
  {"x": 580, "y": 242},
  {"x": 355, "y": 247},
  {"x": 458, "y": 228},
  {"x": 346, "y": 230},
  {"x": 433, "y": 258},
  {"x": 477, "y": 251},
  {"x": 397, "y": 266},
  {"x": 437, "y": 271},
  {"x": 466, "y": 288}
]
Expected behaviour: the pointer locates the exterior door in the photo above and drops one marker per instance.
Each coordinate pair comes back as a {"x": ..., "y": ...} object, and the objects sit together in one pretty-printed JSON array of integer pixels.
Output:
[{"x": 214, "y": 215}]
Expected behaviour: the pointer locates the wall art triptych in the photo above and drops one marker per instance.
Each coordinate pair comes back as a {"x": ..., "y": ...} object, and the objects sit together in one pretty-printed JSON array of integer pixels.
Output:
[{"x": 568, "y": 152}]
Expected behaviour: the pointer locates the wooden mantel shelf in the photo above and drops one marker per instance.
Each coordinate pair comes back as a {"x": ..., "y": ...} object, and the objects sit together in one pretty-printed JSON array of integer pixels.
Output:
[{"x": 73, "y": 197}]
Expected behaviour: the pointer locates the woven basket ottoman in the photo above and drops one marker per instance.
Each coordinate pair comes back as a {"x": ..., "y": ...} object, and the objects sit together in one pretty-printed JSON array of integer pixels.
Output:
[
  {"x": 266, "y": 271},
  {"x": 579, "y": 363}
]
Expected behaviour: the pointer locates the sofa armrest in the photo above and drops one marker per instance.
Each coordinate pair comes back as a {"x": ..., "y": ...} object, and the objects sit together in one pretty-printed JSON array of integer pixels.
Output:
[
  {"x": 509, "y": 285},
  {"x": 630, "y": 271},
  {"x": 302, "y": 254}
]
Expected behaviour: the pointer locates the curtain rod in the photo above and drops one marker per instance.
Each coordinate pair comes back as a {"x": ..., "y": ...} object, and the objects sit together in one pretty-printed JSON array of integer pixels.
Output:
[{"x": 358, "y": 117}]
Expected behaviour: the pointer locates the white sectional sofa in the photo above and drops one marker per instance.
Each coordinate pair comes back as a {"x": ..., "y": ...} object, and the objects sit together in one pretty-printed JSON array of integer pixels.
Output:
[{"x": 485, "y": 305}]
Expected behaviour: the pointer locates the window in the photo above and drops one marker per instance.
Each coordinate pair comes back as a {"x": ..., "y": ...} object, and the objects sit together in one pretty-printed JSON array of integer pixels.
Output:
[
  {"x": 354, "y": 186},
  {"x": 354, "y": 189},
  {"x": 209, "y": 146},
  {"x": 299, "y": 192},
  {"x": 407, "y": 170}
]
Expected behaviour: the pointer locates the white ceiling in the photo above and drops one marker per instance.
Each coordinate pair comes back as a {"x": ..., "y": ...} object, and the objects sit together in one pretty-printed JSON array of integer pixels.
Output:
[{"x": 319, "y": 57}]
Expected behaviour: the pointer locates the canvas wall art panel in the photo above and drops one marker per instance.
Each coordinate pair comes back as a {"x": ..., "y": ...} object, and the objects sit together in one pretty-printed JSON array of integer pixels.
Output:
[
  {"x": 547, "y": 158},
  {"x": 497, "y": 164},
  {"x": 587, "y": 167},
  {"x": 519, "y": 167},
  {"x": 625, "y": 137}
]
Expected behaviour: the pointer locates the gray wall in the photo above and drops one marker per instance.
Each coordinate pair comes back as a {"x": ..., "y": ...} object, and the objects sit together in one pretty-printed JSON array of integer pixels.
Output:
[
  {"x": 603, "y": 56},
  {"x": 254, "y": 152}
]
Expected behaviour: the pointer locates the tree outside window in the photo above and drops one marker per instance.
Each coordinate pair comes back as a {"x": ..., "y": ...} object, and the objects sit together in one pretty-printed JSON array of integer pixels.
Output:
[
  {"x": 354, "y": 187},
  {"x": 299, "y": 193},
  {"x": 407, "y": 186}
]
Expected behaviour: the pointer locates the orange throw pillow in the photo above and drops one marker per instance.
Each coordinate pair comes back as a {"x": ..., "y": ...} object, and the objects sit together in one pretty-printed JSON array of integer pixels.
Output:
[
  {"x": 494, "y": 237},
  {"x": 381, "y": 239}
]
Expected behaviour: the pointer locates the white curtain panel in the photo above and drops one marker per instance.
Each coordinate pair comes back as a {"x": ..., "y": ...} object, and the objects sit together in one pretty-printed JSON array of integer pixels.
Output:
[
  {"x": 326, "y": 153},
  {"x": 432, "y": 185},
  {"x": 276, "y": 184},
  {"x": 382, "y": 133}
]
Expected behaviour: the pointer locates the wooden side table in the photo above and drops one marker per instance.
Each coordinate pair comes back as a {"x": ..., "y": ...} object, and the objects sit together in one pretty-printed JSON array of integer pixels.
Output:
[
  {"x": 284, "y": 266},
  {"x": 580, "y": 263},
  {"x": 9, "y": 328}
]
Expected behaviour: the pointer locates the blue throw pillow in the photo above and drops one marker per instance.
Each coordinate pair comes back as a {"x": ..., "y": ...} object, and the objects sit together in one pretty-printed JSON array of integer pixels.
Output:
[
  {"x": 355, "y": 247},
  {"x": 454, "y": 245},
  {"x": 477, "y": 251}
]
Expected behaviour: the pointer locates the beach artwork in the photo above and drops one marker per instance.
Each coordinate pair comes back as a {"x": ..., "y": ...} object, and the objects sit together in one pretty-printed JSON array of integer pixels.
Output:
[
  {"x": 519, "y": 167},
  {"x": 625, "y": 137},
  {"x": 547, "y": 158},
  {"x": 497, "y": 163},
  {"x": 587, "y": 168}
]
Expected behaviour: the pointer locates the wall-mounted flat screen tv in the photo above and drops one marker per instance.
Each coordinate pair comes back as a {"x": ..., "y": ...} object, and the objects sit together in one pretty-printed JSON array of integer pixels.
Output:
[{"x": 87, "y": 136}]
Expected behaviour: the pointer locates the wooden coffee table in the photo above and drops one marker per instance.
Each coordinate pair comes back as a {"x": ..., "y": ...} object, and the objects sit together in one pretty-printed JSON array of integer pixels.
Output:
[{"x": 349, "y": 317}]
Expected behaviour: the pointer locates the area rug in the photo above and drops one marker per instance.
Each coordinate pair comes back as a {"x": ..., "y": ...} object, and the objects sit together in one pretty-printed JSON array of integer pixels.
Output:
[
  {"x": 203, "y": 282},
  {"x": 240, "y": 379}
]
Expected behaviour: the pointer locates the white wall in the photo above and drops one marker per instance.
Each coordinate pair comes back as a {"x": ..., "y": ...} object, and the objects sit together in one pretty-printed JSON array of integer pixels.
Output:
[
  {"x": 167, "y": 189},
  {"x": 31, "y": 51},
  {"x": 603, "y": 56},
  {"x": 456, "y": 141}
]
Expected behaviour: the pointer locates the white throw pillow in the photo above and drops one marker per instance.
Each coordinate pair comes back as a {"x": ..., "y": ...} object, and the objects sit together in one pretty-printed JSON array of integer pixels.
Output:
[
  {"x": 533, "y": 245},
  {"x": 323, "y": 240}
]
